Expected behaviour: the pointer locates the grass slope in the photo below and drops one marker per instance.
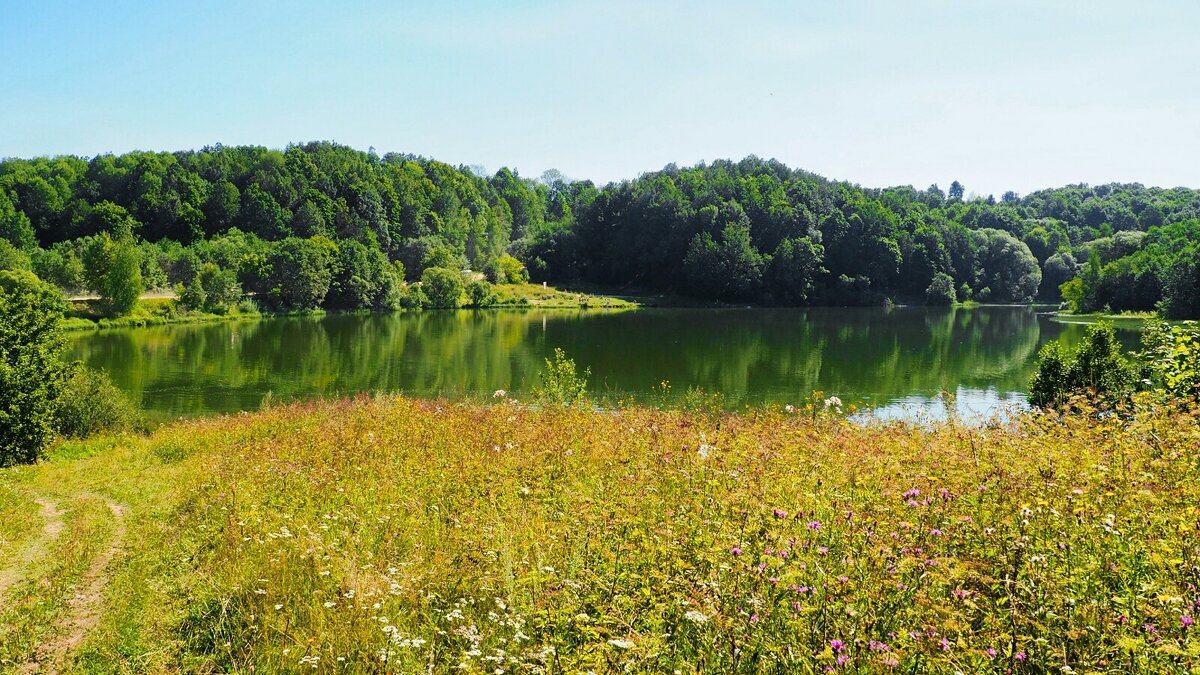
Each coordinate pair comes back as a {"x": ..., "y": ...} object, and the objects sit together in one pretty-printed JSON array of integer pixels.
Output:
[{"x": 397, "y": 535}]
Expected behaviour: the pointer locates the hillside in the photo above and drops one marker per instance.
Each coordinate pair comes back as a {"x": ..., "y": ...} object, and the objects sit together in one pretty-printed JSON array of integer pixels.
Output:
[{"x": 324, "y": 225}]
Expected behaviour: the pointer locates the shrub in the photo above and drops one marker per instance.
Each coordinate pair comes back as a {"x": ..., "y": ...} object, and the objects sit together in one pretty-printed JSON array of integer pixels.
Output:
[
  {"x": 442, "y": 287},
  {"x": 562, "y": 384},
  {"x": 1097, "y": 367},
  {"x": 940, "y": 290},
  {"x": 31, "y": 366},
  {"x": 113, "y": 268},
  {"x": 90, "y": 403},
  {"x": 512, "y": 270},
  {"x": 1171, "y": 358},
  {"x": 480, "y": 294},
  {"x": 213, "y": 290},
  {"x": 12, "y": 258}
]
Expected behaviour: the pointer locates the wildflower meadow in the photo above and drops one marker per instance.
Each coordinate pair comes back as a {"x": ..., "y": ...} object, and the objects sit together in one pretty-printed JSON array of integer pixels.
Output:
[{"x": 392, "y": 535}]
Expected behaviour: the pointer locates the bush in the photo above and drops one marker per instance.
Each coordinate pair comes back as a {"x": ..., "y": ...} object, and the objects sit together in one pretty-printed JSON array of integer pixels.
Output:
[
  {"x": 562, "y": 384},
  {"x": 1097, "y": 367},
  {"x": 940, "y": 290},
  {"x": 512, "y": 270},
  {"x": 31, "y": 366},
  {"x": 90, "y": 403},
  {"x": 442, "y": 287},
  {"x": 480, "y": 294},
  {"x": 213, "y": 290},
  {"x": 12, "y": 258},
  {"x": 1171, "y": 358}
]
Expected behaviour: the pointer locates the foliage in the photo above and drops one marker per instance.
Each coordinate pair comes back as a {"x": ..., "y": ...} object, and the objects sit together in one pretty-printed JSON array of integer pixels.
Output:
[
  {"x": 481, "y": 294},
  {"x": 31, "y": 365},
  {"x": 1097, "y": 366},
  {"x": 1008, "y": 267},
  {"x": 113, "y": 268},
  {"x": 442, "y": 287},
  {"x": 727, "y": 268},
  {"x": 1182, "y": 297},
  {"x": 13, "y": 258},
  {"x": 298, "y": 273},
  {"x": 1072, "y": 294},
  {"x": 212, "y": 290},
  {"x": 711, "y": 231},
  {"x": 794, "y": 270},
  {"x": 941, "y": 290},
  {"x": 364, "y": 277},
  {"x": 89, "y": 404},
  {"x": 511, "y": 270},
  {"x": 1171, "y": 357},
  {"x": 561, "y": 381}
]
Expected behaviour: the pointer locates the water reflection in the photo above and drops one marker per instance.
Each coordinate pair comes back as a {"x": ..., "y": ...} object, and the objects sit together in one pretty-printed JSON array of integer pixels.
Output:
[{"x": 891, "y": 359}]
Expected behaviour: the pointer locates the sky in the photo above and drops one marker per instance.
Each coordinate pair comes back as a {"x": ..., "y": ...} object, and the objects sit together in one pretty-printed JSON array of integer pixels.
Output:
[{"x": 1000, "y": 95}]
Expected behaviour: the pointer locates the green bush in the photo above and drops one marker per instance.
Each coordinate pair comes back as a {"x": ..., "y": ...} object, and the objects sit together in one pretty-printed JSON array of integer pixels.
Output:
[
  {"x": 12, "y": 258},
  {"x": 1171, "y": 358},
  {"x": 213, "y": 290},
  {"x": 512, "y": 270},
  {"x": 562, "y": 383},
  {"x": 90, "y": 403},
  {"x": 940, "y": 290},
  {"x": 480, "y": 294},
  {"x": 31, "y": 366},
  {"x": 113, "y": 268},
  {"x": 1097, "y": 366},
  {"x": 442, "y": 287}
]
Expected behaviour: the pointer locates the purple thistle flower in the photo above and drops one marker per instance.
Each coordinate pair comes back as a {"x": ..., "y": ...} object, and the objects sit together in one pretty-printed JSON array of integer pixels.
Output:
[
  {"x": 991, "y": 652},
  {"x": 1186, "y": 620},
  {"x": 1020, "y": 656},
  {"x": 837, "y": 645},
  {"x": 736, "y": 550},
  {"x": 780, "y": 513},
  {"x": 814, "y": 525}
]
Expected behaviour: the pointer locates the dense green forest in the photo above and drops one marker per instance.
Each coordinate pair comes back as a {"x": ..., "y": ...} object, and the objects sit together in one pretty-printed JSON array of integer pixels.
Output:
[{"x": 324, "y": 225}]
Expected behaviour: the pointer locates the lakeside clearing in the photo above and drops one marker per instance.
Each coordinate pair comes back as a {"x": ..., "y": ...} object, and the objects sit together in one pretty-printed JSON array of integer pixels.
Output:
[{"x": 389, "y": 534}]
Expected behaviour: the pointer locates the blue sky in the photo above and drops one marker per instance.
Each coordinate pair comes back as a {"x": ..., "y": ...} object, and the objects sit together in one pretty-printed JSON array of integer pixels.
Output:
[{"x": 1000, "y": 95}]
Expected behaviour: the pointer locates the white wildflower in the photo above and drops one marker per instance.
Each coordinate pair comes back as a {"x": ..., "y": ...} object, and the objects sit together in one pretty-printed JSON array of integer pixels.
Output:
[{"x": 621, "y": 644}]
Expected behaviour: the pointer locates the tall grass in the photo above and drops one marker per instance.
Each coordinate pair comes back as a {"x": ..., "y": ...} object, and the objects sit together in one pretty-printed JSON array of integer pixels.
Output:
[{"x": 397, "y": 535}]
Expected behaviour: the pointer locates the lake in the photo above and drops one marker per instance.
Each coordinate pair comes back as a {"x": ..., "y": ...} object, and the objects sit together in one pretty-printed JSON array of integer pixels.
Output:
[{"x": 894, "y": 360}]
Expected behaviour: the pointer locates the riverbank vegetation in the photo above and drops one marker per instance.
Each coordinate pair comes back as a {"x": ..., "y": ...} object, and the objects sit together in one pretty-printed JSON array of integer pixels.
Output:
[{"x": 320, "y": 225}]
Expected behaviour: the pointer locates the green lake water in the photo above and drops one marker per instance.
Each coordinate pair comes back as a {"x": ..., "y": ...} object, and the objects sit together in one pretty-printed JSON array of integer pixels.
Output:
[{"x": 895, "y": 361}]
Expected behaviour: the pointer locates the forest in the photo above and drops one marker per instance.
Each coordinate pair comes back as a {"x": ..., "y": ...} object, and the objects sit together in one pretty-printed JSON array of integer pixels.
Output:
[{"x": 322, "y": 225}]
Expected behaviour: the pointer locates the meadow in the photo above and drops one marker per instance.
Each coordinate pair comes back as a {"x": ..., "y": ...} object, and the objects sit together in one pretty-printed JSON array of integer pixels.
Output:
[{"x": 388, "y": 534}]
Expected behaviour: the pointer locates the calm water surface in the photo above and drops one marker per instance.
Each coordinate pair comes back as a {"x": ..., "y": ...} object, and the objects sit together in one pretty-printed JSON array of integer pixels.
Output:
[{"x": 893, "y": 360}]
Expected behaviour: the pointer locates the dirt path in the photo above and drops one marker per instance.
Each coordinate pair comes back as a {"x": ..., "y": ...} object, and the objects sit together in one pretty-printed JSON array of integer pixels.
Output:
[
  {"x": 36, "y": 549},
  {"x": 83, "y": 609}
]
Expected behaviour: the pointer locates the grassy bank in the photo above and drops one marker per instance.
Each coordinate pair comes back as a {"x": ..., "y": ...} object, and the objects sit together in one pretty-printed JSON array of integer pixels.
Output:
[
  {"x": 396, "y": 535},
  {"x": 1124, "y": 318},
  {"x": 85, "y": 315}
]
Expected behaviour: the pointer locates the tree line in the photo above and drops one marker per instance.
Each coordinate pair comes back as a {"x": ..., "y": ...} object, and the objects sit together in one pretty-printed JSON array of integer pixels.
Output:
[{"x": 325, "y": 225}]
